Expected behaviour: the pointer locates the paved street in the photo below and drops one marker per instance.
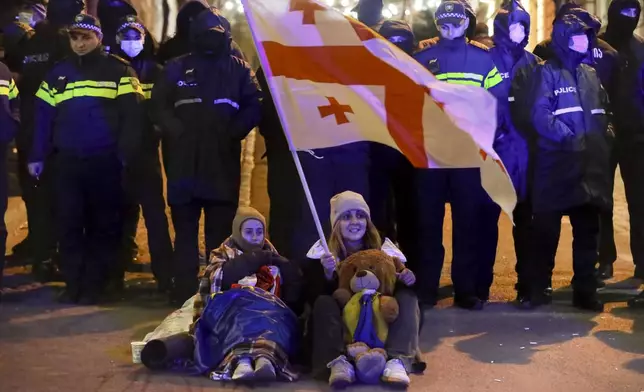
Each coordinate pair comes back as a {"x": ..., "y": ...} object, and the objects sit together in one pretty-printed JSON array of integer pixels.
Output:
[{"x": 48, "y": 347}]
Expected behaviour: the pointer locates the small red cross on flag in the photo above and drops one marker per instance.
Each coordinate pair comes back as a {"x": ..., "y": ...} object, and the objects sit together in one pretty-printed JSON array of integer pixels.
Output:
[{"x": 334, "y": 81}]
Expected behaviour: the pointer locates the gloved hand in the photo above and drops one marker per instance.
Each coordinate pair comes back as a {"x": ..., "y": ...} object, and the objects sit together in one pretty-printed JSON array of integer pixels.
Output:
[
  {"x": 328, "y": 264},
  {"x": 35, "y": 169},
  {"x": 407, "y": 277}
]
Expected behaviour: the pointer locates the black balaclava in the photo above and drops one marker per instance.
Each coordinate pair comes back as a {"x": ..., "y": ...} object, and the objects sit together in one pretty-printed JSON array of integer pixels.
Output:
[
  {"x": 620, "y": 27},
  {"x": 62, "y": 12},
  {"x": 208, "y": 33},
  {"x": 370, "y": 11}
]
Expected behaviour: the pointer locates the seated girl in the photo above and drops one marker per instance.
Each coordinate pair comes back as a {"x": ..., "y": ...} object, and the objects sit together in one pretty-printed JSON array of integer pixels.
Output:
[
  {"x": 244, "y": 292},
  {"x": 353, "y": 231}
]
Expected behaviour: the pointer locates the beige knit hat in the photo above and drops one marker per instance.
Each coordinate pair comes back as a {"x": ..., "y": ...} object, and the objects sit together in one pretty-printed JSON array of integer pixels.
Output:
[
  {"x": 347, "y": 201},
  {"x": 244, "y": 214}
]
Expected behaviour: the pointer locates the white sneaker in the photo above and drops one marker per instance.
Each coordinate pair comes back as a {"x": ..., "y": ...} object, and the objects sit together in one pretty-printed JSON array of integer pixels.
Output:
[
  {"x": 264, "y": 369},
  {"x": 244, "y": 370},
  {"x": 395, "y": 373}
]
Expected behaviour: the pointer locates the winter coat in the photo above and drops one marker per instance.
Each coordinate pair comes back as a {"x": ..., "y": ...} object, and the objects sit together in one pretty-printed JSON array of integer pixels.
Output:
[
  {"x": 205, "y": 105},
  {"x": 570, "y": 117},
  {"x": 628, "y": 92},
  {"x": 514, "y": 64},
  {"x": 601, "y": 55}
]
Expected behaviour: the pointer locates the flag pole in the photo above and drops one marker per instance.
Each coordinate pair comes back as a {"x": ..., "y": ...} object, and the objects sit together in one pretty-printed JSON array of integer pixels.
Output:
[{"x": 263, "y": 60}]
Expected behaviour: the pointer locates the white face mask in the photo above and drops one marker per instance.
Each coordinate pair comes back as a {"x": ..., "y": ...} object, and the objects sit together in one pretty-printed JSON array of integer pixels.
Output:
[
  {"x": 579, "y": 43},
  {"x": 517, "y": 33},
  {"x": 132, "y": 48}
]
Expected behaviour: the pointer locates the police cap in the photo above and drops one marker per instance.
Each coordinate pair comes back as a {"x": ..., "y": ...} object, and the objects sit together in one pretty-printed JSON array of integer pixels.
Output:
[
  {"x": 451, "y": 12},
  {"x": 86, "y": 22}
]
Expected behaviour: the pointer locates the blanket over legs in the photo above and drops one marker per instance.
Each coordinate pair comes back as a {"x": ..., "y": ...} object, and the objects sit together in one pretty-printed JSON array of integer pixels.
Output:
[{"x": 245, "y": 322}]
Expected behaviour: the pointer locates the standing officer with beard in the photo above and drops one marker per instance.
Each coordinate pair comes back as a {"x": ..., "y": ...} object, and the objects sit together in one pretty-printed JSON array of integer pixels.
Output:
[
  {"x": 628, "y": 111},
  {"x": 88, "y": 114},
  {"x": 205, "y": 104},
  {"x": 143, "y": 181}
]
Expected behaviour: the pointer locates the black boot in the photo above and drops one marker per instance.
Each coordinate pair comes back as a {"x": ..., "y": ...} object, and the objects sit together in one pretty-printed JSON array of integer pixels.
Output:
[
  {"x": 587, "y": 301},
  {"x": 468, "y": 302},
  {"x": 605, "y": 271},
  {"x": 637, "y": 302},
  {"x": 182, "y": 290}
]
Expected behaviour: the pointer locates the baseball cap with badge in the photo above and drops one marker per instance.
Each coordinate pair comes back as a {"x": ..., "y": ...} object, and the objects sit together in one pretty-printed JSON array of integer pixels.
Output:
[
  {"x": 451, "y": 12},
  {"x": 131, "y": 22},
  {"x": 86, "y": 22}
]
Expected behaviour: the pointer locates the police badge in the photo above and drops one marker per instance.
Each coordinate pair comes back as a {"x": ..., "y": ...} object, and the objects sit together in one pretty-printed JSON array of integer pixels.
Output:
[
  {"x": 78, "y": 18},
  {"x": 131, "y": 18},
  {"x": 449, "y": 7}
]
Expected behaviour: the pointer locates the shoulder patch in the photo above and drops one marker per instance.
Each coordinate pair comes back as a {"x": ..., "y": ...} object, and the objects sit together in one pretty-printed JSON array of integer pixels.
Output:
[
  {"x": 427, "y": 43},
  {"x": 120, "y": 59},
  {"x": 479, "y": 45}
]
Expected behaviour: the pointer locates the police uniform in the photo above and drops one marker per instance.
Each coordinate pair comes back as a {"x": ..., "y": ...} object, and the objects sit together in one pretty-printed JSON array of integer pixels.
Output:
[
  {"x": 474, "y": 215},
  {"x": 205, "y": 104},
  {"x": 88, "y": 114},
  {"x": 9, "y": 121},
  {"x": 144, "y": 183}
]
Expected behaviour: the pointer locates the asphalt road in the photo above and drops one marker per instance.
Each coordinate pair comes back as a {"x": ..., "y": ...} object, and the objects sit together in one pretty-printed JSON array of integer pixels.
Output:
[{"x": 48, "y": 347}]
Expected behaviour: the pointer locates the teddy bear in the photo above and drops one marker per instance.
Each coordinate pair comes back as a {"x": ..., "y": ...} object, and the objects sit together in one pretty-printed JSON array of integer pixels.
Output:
[{"x": 366, "y": 282}]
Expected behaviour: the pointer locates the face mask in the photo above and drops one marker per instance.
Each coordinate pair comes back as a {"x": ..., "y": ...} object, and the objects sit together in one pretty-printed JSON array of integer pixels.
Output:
[
  {"x": 579, "y": 43},
  {"x": 517, "y": 33},
  {"x": 450, "y": 32},
  {"x": 132, "y": 48}
]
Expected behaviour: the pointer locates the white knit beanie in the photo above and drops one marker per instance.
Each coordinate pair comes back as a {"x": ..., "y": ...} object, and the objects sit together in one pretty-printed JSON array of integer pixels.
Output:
[{"x": 347, "y": 201}]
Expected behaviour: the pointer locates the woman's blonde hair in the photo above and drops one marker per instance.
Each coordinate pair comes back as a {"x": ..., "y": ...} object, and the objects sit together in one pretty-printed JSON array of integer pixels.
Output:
[{"x": 371, "y": 240}]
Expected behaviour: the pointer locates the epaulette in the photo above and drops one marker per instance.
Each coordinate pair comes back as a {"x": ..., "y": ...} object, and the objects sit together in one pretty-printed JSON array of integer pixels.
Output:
[
  {"x": 427, "y": 43},
  {"x": 479, "y": 45},
  {"x": 120, "y": 59}
]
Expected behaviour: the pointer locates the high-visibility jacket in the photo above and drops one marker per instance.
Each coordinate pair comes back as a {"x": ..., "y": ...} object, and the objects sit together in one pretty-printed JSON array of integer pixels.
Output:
[
  {"x": 9, "y": 105},
  {"x": 89, "y": 105}
]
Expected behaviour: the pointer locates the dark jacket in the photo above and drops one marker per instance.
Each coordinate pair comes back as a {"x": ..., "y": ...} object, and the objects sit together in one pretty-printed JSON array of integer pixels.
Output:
[
  {"x": 14, "y": 39},
  {"x": 570, "y": 117},
  {"x": 49, "y": 45},
  {"x": 514, "y": 64},
  {"x": 205, "y": 105},
  {"x": 628, "y": 92},
  {"x": 9, "y": 106},
  {"x": 601, "y": 55},
  {"x": 89, "y": 105},
  {"x": 180, "y": 43}
]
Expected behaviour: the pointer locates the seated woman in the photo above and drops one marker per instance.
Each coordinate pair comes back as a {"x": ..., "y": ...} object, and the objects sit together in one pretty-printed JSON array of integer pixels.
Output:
[
  {"x": 353, "y": 231},
  {"x": 246, "y": 289}
]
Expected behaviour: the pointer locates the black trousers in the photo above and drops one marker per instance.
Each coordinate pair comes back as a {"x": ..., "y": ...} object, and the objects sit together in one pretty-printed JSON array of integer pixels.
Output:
[
  {"x": 144, "y": 191},
  {"x": 630, "y": 156},
  {"x": 39, "y": 198},
  {"x": 185, "y": 218},
  {"x": 474, "y": 232},
  {"x": 522, "y": 233},
  {"x": 89, "y": 211},
  {"x": 585, "y": 228},
  {"x": 4, "y": 195}
]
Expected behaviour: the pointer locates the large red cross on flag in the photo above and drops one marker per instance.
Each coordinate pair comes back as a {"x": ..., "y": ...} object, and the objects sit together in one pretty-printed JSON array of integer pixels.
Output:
[{"x": 334, "y": 81}]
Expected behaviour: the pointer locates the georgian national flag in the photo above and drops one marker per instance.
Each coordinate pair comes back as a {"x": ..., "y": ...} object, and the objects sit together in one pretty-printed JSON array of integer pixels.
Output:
[{"x": 334, "y": 81}]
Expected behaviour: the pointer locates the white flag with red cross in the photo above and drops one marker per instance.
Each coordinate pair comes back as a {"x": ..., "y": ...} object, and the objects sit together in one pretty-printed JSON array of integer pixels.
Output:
[{"x": 334, "y": 81}]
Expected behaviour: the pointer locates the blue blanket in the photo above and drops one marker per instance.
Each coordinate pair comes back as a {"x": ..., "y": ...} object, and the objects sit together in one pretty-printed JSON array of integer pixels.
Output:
[{"x": 243, "y": 317}]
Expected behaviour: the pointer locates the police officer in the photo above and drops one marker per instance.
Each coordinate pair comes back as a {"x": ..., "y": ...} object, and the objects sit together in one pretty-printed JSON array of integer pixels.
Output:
[
  {"x": 180, "y": 44},
  {"x": 144, "y": 183},
  {"x": 89, "y": 114},
  {"x": 205, "y": 104},
  {"x": 515, "y": 64},
  {"x": 628, "y": 109},
  {"x": 48, "y": 45},
  {"x": 454, "y": 60},
  {"x": 9, "y": 121},
  {"x": 570, "y": 117},
  {"x": 111, "y": 14}
]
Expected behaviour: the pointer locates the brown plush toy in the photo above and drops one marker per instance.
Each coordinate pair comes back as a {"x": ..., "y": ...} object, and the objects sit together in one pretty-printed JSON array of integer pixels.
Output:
[{"x": 366, "y": 285}]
